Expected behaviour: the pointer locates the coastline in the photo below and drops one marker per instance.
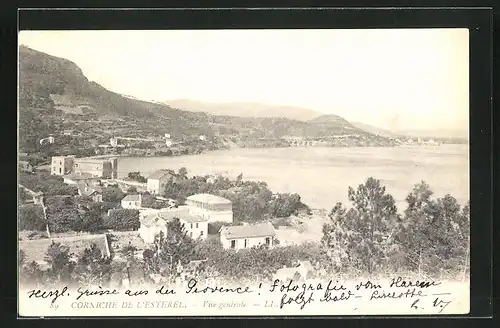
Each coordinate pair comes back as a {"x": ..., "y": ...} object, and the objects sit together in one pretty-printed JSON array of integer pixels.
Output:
[{"x": 108, "y": 156}]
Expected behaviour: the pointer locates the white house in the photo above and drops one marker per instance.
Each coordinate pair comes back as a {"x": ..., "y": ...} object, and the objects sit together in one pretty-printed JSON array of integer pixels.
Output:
[
  {"x": 132, "y": 201},
  {"x": 247, "y": 236},
  {"x": 299, "y": 273},
  {"x": 211, "y": 207},
  {"x": 151, "y": 226},
  {"x": 195, "y": 226},
  {"x": 158, "y": 180},
  {"x": 154, "y": 221}
]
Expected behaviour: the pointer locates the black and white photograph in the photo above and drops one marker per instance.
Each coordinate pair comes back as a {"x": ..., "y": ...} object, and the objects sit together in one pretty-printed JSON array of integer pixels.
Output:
[{"x": 243, "y": 172}]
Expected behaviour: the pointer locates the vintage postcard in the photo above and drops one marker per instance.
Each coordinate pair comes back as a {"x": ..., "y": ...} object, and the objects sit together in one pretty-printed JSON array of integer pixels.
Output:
[{"x": 243, "y": 172}]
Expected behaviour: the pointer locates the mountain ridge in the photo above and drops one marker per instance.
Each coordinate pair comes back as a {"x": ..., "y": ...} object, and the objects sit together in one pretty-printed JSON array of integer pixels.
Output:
[
  {"x": 244, "y": 109},
  {"x": 56, "y": 88}
]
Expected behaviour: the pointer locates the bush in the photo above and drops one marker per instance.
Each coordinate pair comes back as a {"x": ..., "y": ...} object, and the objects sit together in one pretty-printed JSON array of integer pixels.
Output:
[
  {"x": 137, "y": 177},
  {"x": 92, "y": 220},
  {"x": 261, "y": 261},
  {"x": 62, "y": 213},
  {"x": 123, "y": 219},
  {"x": 31, "y": 218},
  {"x": 48, "y": 184},
  {"x": 112, "y": 194}
]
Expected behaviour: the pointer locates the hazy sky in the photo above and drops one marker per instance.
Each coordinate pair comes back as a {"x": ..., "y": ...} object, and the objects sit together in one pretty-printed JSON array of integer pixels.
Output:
[{"x": 399, "y": 78}]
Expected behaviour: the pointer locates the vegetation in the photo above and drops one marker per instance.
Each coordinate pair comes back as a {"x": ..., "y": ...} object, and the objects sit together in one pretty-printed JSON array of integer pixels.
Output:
[
  {"x": 63, "y": 214},
  {"x": 137, "y": 177},
  {"x": 123, "y": 219},
  {"x": 167, "y": 253},
  {"x": 30, "y": 217},
  {"x": 112, "y": 194},
  {"x": 50, "y": 185},
  {"x": 251, "y": 201},
  {"x": 430, "y": 239}
]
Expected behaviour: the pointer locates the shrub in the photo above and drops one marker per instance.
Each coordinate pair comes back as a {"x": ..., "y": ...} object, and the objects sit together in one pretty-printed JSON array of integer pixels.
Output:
[
  {"x": 31, "y": 218},
  {"x": 123, "y": 219}
]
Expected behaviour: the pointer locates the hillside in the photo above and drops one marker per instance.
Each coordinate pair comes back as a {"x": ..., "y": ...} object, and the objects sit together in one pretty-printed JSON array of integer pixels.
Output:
[
  {"x": 374, "y": 130},
  {"x": 56, "y": 82},
  {"x": 56, "y": 96},
  {"x": 244, "y": 109}
]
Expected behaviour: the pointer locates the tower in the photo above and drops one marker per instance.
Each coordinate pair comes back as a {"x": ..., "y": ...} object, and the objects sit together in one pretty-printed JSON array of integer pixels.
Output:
[{"x": 114, "y": 167}]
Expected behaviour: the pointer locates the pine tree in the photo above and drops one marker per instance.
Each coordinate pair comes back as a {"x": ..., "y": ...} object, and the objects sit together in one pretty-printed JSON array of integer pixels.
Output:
[
  {"x": 177, "y": 246},
  {"x": 364, "y": 232},
  {"x": 436, "y": 232},
  {"x": 92, "y": 267}
]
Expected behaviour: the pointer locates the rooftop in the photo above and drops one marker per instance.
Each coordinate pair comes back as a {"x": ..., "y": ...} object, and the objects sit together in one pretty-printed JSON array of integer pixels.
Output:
[
  {"x": 86, "y": 189},
  {"x": 189, "y": 218},
  {"x": 35, "y": 250},
  {"x": 209, "y": 199},
  {"x": 79, "y": 176},
  {"x": 248, "y": 231},
  {"x": 160, "y": 174},
  {"x": 152, "y": 217},
  {"x": 92, "y": 160},
  {"x": 132, "y": 198}
]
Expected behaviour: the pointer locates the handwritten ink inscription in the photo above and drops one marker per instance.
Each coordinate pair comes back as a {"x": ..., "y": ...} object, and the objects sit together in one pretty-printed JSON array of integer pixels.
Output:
[{"x": 416, "y": 296}]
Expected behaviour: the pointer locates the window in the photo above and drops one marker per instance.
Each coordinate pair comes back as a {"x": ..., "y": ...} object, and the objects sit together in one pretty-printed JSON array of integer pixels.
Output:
[
  {"x": 201, "y": 233},
  {"x": 191, "y": 234},
  {"x": 233, "y": 243},
  {"x": 246, "y": 243},
  {"x": 268, "y": 241},
  {"x": 60, "y": 170},
  {"x": 191, "y": 226},
  {"x": 196, "y": 224}
]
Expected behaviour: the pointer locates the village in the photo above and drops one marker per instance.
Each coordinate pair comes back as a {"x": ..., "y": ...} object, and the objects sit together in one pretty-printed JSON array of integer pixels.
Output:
[{"x": 203, "y": 216}]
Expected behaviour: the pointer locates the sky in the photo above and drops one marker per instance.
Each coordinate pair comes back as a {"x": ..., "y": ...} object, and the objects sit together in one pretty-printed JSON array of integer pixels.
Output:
[{"x": 391, "y": 78}]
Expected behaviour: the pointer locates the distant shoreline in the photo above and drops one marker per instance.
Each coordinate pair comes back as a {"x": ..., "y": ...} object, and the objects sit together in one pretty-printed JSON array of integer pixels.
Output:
[{"x": 270, "y": 148}]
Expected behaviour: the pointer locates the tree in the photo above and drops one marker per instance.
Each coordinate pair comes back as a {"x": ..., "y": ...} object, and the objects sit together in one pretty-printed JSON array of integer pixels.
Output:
[
  {"x": 168, "y": 251},
  {"x": 123, "y": 219},
  {"x": 147, "y": 199},
  {"x": 31, "y": 218},
  {"x": 435, "y": 235},
  {"x": 30, "y": 273},
  {"x": 132, "y": 190},
  {"x": 61, "y": 265},
  {"x": 285, "y": 204},
  {"x": 112, "y": 194},
  {"x": 183, "y": 172},
  {"x": 92, "y": 267},
  {"x": 239, "y": 179},
  {"x": 63, "y": 214},
  {"x": 137, "y": 177},
  {"x": 365, "y": 232},
  {"x": 92, "y": 219}
]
